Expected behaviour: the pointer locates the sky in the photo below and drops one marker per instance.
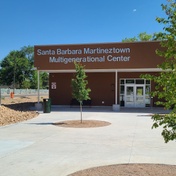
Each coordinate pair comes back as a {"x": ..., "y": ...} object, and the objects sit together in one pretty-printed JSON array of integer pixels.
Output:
[{"x": 47, "y": 22}]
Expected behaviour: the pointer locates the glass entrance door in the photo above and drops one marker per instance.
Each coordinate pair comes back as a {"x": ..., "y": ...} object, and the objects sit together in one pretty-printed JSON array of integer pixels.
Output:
[
  {"x": 129, "y": 96},
  {"x": 134, "y": 96},
  {"x": 139, "y": 96}
]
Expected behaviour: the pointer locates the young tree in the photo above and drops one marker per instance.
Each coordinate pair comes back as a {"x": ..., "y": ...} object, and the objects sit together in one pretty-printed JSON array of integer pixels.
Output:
[
  {"x": 166, "y": 80},
  {"x": 79, "y": 86}
]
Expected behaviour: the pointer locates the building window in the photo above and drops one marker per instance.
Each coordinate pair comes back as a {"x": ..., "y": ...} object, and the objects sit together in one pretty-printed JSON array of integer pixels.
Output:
[
  {"x": 139, "y": 81},
  {"x": 130, "y": 81}
]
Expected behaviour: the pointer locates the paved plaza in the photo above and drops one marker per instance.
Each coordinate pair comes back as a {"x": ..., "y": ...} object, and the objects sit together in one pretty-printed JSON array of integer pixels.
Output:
[{"x": 37, "y": 148}]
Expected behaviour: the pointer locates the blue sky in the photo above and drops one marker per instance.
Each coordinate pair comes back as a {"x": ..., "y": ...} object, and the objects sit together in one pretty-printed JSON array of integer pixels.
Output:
[{"x": 44, "y": 22}]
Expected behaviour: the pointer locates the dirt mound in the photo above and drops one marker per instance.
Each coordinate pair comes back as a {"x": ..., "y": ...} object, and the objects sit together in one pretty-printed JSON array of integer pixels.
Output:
[
  {"x": 8, "y": 116},
  {"x": 17, "y": 109}
]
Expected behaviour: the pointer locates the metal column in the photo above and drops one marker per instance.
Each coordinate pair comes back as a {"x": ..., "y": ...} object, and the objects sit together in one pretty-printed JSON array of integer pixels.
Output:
[
  {"x": 38, "y": 76},
  {"x": 116, "y": 86}
]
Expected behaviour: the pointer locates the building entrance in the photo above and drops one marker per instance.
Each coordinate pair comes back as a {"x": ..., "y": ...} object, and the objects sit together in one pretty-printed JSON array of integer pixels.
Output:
[
  {"x": 134, "y": 96},
  {"x": 134, "y": 93}
]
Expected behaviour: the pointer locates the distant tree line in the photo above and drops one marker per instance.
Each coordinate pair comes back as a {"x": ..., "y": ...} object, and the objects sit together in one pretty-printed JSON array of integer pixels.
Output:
[
  {"x": 17, "y": 70},
  {"x": 143, "y": 36}
]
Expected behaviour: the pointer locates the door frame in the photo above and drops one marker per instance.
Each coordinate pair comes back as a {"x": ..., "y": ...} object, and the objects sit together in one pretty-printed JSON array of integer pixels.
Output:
[{"x": 134, "y": 96}]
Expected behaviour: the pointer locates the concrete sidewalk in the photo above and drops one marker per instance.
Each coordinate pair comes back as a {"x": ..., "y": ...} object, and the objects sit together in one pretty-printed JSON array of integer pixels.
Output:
[{"x": 38, "y": 148}]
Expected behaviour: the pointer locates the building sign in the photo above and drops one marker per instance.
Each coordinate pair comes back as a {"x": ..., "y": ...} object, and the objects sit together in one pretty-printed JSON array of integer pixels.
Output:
[
  {"x": 97, "y": 56},
  {"x": 53, "y": 85},
  {"x": 84, "y": 55}
]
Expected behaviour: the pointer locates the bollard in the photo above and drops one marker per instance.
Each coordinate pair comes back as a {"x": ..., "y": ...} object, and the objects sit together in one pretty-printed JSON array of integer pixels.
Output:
[{"x": 11, "y": 94}]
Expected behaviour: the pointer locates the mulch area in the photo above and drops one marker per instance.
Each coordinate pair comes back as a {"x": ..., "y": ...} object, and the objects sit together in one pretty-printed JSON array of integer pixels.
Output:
[
  {"x": 129, "y": 170},
  {"x": 83, "y": 124}
]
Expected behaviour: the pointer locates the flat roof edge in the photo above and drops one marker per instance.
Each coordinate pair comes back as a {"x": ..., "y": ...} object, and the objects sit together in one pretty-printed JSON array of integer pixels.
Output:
[{"x": 99, "y": 43}]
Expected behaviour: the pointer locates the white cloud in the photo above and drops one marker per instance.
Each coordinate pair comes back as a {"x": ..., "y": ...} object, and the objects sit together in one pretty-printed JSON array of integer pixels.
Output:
[{"x": 134, "y": 10}]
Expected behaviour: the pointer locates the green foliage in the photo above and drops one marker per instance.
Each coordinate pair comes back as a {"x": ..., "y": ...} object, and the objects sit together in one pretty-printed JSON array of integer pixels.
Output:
[
  {"x": 165, "y": 88},
  {"x": 79, "y": 86},
  {"x": 28, "y": 52},
  {"x": 80, "y": 92},
  {"x": 133, "y": 39},
  {"x": 17, "y": 70},
  {"x": 44, "y": 80},
  {"x": 15, "y": 67},
  {"x": 168, "y": 122},
  {"x": 26, "y": 84},
  {"x": 34, "y": 80},
  {"x": 143, "y": 36}
]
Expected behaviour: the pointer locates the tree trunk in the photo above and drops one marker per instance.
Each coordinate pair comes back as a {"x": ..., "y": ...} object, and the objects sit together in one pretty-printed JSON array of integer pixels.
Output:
[{"x": 81, "y": 110}]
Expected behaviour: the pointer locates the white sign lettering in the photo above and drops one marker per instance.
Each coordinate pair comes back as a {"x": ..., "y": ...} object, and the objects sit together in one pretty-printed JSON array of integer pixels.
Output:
[
  {"x": 117, "y": 59},
  {"x": 109, "y": 58},
  {"x": 45, "y": 52},
  {"x": 68, "y": 55},
  {"x": 68, "y": 51},
  {"x": 106, "y": 50}
]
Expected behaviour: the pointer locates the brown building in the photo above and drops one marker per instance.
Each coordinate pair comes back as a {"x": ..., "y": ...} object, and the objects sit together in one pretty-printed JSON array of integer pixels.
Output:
[{"x": 113, "y": 71}]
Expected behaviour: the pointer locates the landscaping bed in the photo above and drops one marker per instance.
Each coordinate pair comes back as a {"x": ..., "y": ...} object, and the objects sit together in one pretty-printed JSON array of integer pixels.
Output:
[{"x": 17, "y": 109}]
